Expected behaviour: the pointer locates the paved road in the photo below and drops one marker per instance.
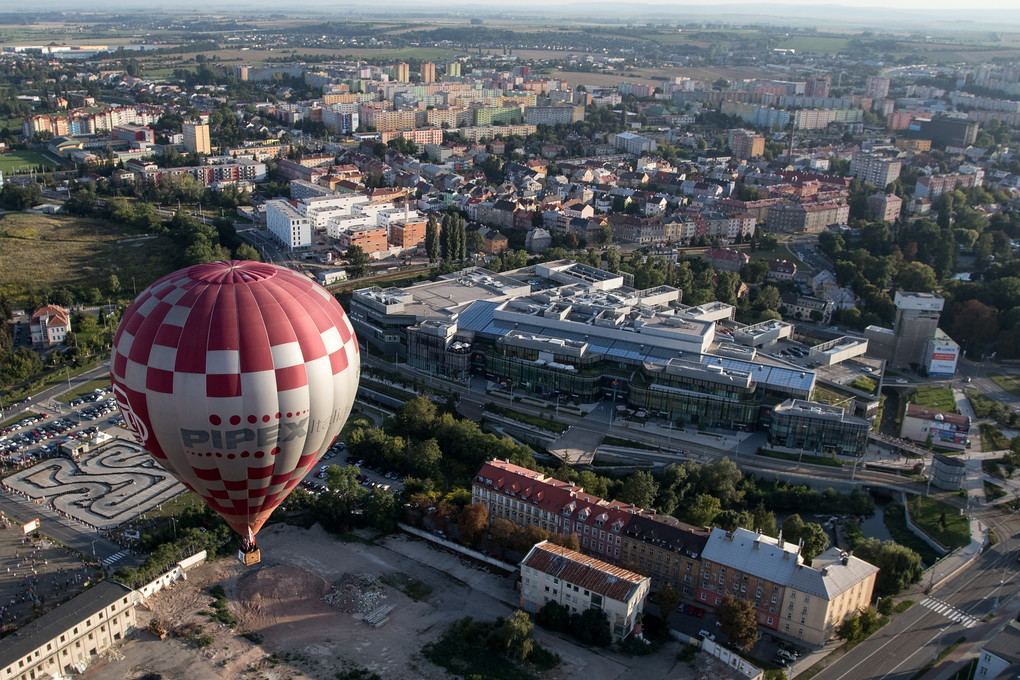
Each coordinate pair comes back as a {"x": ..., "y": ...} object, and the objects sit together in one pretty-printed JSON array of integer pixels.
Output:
[
  {"x": 953, "y": 610},
  {"x": 72, "y": 534}
]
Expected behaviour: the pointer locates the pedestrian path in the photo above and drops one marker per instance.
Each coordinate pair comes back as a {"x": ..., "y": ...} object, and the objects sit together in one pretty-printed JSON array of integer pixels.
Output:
[
  {"x": 114, "y": 558},
  {"x": 949, "y": 611}
]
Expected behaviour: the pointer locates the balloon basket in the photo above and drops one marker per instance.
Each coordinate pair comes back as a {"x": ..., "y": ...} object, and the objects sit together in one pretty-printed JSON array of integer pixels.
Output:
[{"x": 250, "y": 557}]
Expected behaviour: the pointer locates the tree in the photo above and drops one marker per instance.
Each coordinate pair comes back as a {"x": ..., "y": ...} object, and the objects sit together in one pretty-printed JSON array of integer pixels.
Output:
[
  {"x": 704, "y": 510},
  {"x": 899, "y": 566},
  {"x": 738, "y": 621},
  {"x": 415, "y": 417},
  {"x": 591, "y": 627},
  {"x": 850, "y": 629},
  {"x": 472, "y": 521},
  {"x": 768, "y": 298},
  {"x": 916, "y": 277},
  {"x": 380, "y": 510},
  {"x": 640, "y": 489},
  {"x": 668, "y": 599},
  {"x": 424, "y": 457},
  {"x": 357, "y": 262},
  {"x": 518, "y": 635},
  {"x": 113, "y": 284},
  {"x": 553, "y": 616},
  {"x": 246, "y": 251},
  {"x": 793, "y": 526},
  {"x": 975, "y": 322},
  {"x": 502, "y": 531},
  {"x": 815, "y": 539},
  {"x": 763, "y": 520}
]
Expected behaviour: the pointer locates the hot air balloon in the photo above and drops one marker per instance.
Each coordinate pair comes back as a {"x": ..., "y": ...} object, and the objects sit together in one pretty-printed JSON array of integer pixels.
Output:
[{"x": 236, "y": 377}]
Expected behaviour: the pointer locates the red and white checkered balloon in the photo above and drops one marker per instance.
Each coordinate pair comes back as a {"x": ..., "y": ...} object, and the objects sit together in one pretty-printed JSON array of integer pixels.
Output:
[{"x": 236, "y": 376}]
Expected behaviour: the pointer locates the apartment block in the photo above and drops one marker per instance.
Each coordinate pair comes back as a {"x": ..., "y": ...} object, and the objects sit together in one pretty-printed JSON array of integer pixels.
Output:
[
  {"x": 551, "y": 573},
  {"x": 933, "y": 187},
  {"x": 875, "y": 169},
  {"x": 886, "y": 207},
  {"x": 406, "y": 234},
  {"x": 747, "y": 144},
  {"x": 551, "y": 115},
  {"x": 370, "y": 238},
  {"x": 196, "y": 138},
  {"x": 427, "y": 72},
  {"x": 876, "y": 87},
  {"x": 403, "y": 73},
  {"x": 287, "y": 225},
  {"x": 806, "y": 217}
]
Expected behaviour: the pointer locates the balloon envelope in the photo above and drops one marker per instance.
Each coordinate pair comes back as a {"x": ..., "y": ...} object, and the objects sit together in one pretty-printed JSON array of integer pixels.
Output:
[{"x": 236, "y": 377}]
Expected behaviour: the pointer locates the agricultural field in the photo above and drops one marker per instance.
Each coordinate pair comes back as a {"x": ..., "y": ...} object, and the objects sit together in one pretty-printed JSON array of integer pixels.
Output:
[
  {"x": 816, "y": 44},
  {"x": 38, "y": 252}
]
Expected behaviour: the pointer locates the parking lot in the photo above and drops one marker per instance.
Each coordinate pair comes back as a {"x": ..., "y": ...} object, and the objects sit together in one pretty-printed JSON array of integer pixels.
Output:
[
  {"x": 699, "y": 623},
  {"x": 370, "y": 478}
]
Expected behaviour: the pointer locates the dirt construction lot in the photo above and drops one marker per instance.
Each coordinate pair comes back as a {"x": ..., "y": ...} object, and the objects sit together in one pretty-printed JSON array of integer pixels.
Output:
[{"x": 279, "y": 603}]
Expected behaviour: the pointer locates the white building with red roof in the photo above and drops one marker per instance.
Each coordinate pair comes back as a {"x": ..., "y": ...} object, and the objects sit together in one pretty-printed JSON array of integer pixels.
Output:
[
  {"x": 49, "y": 326},
  {"x": 552, "y": 573}
]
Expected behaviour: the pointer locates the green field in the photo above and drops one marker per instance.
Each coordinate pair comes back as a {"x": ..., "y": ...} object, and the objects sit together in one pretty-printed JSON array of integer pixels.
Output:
[
  {"x": 38, "y": 252},
  {"x": 1007, "y": 381},
  {"x": 941, "y": 521},
  {"x": 992, "y": 439},
  {"x": 940, "y": 398},
  {"x": 816, "y": 44},
  {"x": 22, "y": 161}
]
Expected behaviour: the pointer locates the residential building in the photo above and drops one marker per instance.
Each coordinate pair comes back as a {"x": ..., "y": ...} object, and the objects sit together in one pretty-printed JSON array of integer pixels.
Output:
[
  {"x": 876, "y": 169},
  {"x": 934, "y": 186},
  {"x": 999, "y": 657},
  {"x": 818, "y": 86},
  {"x": 369, "y": 237},
  {"x": 782, "y": 270},
  {"x": 660, "y": 547},
  {"x": 804, "y": 603},
  {"x": 551, "y": 115},
  {"x": 403, "y": 72},
  {"x": 726, "y": 258},
  {"x": 947, "y": 430},
  {"x": 805, "y": 307},
  {"x": 551, "y": 573},
  {"x": 818, "y": 427},
  {"x": 807, "y": 217},
  {"x": 634, "y": 144},
  {"x": 914, "y": 145},
  {"x": 876, "y": 87},
  {"x": 453, "y": 69},
  {"x": 747, "y": 144},
  {"x": 196, "y": 138},
  {"x": 886, "y": 207},
  {"x": 63, "y": 641},
  {"x": 299, "y": 189},
  {"x": 49, "y": 326},
  {"x": 406, "y": 234},
  {"x": 427, "y": 72},
  {"x": 289, "y": 227}
]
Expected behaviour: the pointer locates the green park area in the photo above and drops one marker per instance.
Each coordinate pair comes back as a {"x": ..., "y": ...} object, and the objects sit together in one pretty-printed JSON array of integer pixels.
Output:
[{"x": 940, "y": 520}]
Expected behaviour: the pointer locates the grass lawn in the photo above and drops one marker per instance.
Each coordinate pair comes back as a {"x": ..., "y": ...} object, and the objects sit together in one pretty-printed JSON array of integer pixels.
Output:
[
  {"x": 940, "y": 398},
  {"x": 22, "y": 161},
  {"x": 896, "y": 523},
  {"x": 84, "y": 388},
  {"x": 864, "y": 384},
  {"x": 816, "y": 44},
  {"x": 993, "y": 492},
  {"x": 992, "y": 439},
  {"x": 38, "y": 252},
  {"x": 1007, "y": 381},
  {"x": 941, "y": 521},
  {"x": 810, "y": 458},
  {"x": 984, "y": 407}
]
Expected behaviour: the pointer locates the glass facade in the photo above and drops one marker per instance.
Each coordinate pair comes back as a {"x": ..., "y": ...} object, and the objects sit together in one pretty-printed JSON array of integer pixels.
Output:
[{"x": 819, "y": 428}]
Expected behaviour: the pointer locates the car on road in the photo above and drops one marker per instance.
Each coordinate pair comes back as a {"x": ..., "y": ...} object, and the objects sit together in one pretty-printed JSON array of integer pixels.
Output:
[
  {"x": 704, "y": 634},
  {"x": 901, "y": 381}
]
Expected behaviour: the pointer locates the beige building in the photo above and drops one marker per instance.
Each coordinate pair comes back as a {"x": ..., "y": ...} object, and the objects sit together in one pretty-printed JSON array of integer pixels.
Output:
[
  {"x": 196, "y": 138},
  {"x": 49, "y": 326},
  {"x": 63, "y": 641},
  {"x": 403, "y": 73},
  {"x": 427, "y": 71},
  {"x": 551, "y": 573},
  {"x": 818, "y": 598}
]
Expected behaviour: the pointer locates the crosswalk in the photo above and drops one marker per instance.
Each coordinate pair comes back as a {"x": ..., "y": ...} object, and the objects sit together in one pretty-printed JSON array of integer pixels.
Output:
[
  {"x": 949, "y": 611},
  {"x": 115, "y": 557}
]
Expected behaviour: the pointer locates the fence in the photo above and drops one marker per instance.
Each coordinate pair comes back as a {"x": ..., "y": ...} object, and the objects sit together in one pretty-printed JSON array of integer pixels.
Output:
[
  {"x": 179, "y": 572},
  {"x": 467, "y": 552}
]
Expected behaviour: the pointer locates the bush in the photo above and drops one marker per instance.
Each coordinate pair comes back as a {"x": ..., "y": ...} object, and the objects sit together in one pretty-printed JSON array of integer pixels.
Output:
[{"x": 205, "y": 640}]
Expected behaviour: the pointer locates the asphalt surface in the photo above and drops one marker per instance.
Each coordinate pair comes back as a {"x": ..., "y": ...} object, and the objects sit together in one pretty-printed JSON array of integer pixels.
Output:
[
  {"x": 957, "y": 608},
  {"x": 67, "y": 531}
]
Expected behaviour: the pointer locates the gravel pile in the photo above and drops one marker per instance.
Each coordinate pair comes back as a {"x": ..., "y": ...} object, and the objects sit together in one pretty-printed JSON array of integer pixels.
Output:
[{"x": 356, "y": 594}]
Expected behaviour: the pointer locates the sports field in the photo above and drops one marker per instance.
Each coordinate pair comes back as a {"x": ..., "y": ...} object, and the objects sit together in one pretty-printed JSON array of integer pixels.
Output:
[{"x": 22, "y": 161}]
